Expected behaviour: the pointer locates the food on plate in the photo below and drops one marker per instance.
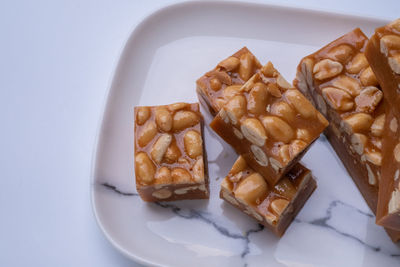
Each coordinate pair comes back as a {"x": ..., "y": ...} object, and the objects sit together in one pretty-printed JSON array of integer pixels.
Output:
[
  {"x": 170, "y": 160},
  {"x": 273, "y": 206}
]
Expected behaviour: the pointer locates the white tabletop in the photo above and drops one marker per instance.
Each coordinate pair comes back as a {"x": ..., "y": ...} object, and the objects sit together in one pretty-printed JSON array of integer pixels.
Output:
[{"x": 56, "y": 61}]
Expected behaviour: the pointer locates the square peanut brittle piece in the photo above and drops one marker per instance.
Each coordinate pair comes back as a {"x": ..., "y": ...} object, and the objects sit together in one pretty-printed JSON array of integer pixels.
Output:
[
  {"x": 274, "y": 207},
  {"x": 170, "y": 161},
  {"x": 269, "y": 123}
]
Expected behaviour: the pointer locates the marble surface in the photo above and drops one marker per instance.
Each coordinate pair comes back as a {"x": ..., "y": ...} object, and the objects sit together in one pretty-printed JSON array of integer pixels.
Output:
[{"x": 57, "y": 58}]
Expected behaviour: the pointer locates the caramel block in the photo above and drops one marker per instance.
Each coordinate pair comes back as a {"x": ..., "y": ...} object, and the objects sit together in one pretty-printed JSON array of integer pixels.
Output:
[
  {"x": 275, "y": 207},
  {"x": 218, "y": 85},
  {"x": 170, "y": 160},
  {"x": 269, "y": 123},
  {"x": 341, "y": 84},
  {"x": 383, "y": 54}
]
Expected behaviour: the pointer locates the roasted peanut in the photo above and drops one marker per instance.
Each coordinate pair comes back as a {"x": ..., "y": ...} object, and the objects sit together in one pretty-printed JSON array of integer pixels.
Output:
[
  {"x": 257, "y": 99},
  {"x": 368, "y": 99},
  {"x": 275, "y": 164},
  {"x": 144, "y": 168},
  {"x": 177, "y": 106},
  {"x": 143, "y": 114},
  {"x": 180, "y": 176},
  {"x": 393, "y": 125},
  {"x": 279, "y": 205},
  {"x": 252, "y": 189},
  {"x": 348, "y": 84},
  {"x": 341, "y": 53},
  {"x": 374, "y": 157},
  {"x": 389, "y": 42},
  {"x": 163, "y": 119},
  {"x": 394, "y": 202},
  {"x": 259, "y": 155},
  {"x": 377, "y": 143},
  {"x": 283, "y": 110},
  {"x": 368, "y": 78},
  {"x": 358, "y": 63},
  {"x": 395, "y": 24},
  {"x": 394, "y": 63},
  {"x": 303, "y": 134},
  {"x": 198, "y": 171},
  {"x": 163, "y": 176},
  {"x": 231, "y": 91},
  {"x": 273, "y": 90},
  {"x": 248, "y": 85},
  {"x": 277, "y": 128},
  {"x": 237, "y": 133},
  {"x": 285, "y": 188},
  {"x": 173, "y": 153},
  {"x": 268, "y": 70},
  {"x": 162, "y": 193},
  {"x": 220, "y": 102},
  {"x": 236, "y": 108},
  {"x": 300, "y": 103},
  {"x": 160, "y": 147},
  {"x": 224, "y": 116},
  {"x": 184, "y": 119},
  {"x": 230, "y": 63},
  {"x": 371, "y": 176},
  {"x": 357, "y": 122},
  {"x": 396, "y": 152},
  {"x": 253, "y": 131},
  {"x": 215, "y": 84},
  {"x": 284, "y": 153},
  {"x": 358, "y": 142},
  {"x": 337, "y": 98},
  {"x": 147, "y": 133},
  {"x": 239, "y": 165},
  {"x": 193, "y": 144},
  {"x": 296, "y": 147},
  {"x": 282, "y": 82},
  {"x": 327, "y": 68},
  {"x": 246, "y": 66},
  {"x": 222, "y": 76}
]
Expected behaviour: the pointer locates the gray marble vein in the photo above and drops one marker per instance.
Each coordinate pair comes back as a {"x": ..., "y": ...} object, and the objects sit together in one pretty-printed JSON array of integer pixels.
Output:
[{"x": 324, "y": 222}]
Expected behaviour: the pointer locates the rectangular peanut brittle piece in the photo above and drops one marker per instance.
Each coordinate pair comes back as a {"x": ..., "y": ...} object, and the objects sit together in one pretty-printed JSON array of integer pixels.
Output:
[
  {"x": 269, "y": 123},
  {"x": 339, "y": 81},
  {"x": 170, "y": 160},
  {"x": 216, "y": 86},
  {"x": 274, "y": 207},
  {"x": 383, "y": 54}
]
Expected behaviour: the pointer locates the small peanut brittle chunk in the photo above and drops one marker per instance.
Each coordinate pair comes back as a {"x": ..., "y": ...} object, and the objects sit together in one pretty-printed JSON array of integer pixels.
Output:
[
  {"x": 170, "y": 161},
  {"x": 270, "y": 123},
  {"x": 273, "y": 206}
]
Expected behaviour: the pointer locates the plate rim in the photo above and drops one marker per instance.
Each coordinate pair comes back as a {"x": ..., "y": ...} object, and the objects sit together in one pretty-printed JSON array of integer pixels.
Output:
[{"x": 143, "y": 21}]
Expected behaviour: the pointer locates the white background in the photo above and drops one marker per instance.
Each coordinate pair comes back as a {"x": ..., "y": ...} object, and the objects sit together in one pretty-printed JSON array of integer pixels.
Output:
[{"x": 56, "y": 61}]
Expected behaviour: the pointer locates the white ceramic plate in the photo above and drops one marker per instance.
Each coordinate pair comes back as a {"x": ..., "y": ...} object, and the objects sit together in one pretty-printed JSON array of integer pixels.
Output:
[{"x": 161, "y": 61}]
